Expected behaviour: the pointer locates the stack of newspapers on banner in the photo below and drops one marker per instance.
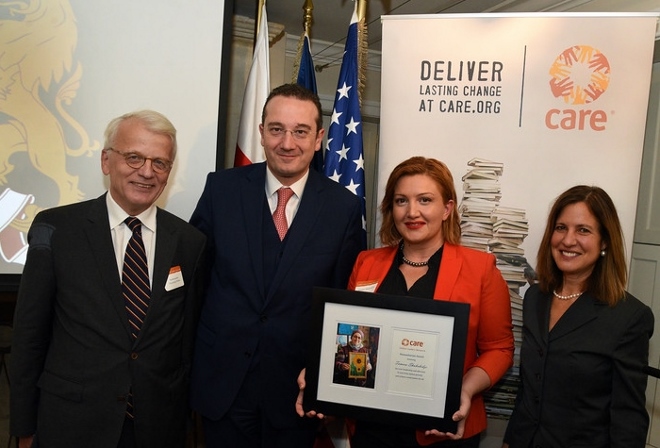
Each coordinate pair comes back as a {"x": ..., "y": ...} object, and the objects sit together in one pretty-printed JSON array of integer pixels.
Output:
[{"x": 489, "y": 227}]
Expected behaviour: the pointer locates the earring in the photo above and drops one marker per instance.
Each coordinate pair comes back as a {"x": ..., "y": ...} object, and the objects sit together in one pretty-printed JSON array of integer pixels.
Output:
[{"x": 602, "y": 253}]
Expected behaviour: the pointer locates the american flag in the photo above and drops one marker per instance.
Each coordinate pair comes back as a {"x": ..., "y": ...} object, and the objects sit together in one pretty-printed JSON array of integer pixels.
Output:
[
  {"x": 344, "y": 160},
  {"x": 307, "y": 78}
]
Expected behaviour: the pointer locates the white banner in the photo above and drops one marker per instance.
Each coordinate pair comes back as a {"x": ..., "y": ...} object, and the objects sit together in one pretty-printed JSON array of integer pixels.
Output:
[{"x": 537, "y": 102}]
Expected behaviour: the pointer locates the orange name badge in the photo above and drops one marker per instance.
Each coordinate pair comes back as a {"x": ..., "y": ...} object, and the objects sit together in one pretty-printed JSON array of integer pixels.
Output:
[
  {"x": 174, "y": 279},
  {"x": 367, "y": 286}
]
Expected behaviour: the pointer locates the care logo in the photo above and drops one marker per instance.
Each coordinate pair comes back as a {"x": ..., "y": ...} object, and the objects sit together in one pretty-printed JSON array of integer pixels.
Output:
[
  {"x": 405, "y": 342},
  {"x": 579, "y": 76}
]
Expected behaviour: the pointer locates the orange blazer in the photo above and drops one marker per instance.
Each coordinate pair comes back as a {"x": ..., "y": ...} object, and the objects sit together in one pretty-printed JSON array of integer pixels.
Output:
[{"x": 468, "y": 276}]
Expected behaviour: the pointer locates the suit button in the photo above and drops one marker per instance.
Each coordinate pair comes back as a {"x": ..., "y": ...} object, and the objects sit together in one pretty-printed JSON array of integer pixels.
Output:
[
  {"x": 247, "y": 354},
  {"x": 541, "y": 352},
  {"x": 121, "y": 398},
  {"x": 263, "y": 318},
  {"x": 134, "y": 355}
]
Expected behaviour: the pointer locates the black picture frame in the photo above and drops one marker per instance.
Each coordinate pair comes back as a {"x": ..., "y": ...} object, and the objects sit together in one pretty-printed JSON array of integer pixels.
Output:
[{"x": 418, "y": 367}]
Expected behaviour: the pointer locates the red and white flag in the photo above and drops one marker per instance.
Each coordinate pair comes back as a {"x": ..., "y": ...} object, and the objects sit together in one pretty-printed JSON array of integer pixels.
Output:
[{"x": 248, "y": 143}]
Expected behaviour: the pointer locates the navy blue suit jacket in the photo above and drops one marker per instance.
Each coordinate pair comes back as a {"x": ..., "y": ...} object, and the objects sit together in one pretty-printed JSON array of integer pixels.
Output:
[{"x": 240, "y": 319}]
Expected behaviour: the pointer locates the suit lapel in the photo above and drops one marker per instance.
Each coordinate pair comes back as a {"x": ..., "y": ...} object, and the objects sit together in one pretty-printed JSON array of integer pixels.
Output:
[
  {"x": 166, "y": 237},
  {"x": 98, "y": 236},
  {"x": 300, "y": 229},
  {"x": 584, "y": 310},
  {"x": 538, "y": 326},
  {"x": 165, "y": 247},
  {"x": 252, "y": 196},
  {"x": 450, "y": 266}
]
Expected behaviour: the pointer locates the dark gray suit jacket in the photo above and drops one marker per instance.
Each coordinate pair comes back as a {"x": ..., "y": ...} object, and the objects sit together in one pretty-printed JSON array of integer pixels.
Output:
[
  {"x": 583, "y": 383},
  {"x": 240, "y": 318},
  {"x": 73, "y": 359}
]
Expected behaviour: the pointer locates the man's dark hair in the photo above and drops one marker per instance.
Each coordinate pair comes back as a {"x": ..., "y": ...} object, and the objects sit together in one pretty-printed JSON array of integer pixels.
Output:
[{"x": 299, "y": 92}]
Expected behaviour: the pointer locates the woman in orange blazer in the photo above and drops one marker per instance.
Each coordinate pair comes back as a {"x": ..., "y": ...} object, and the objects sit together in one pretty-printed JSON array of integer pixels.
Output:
[{"x": 423, "y": 258}]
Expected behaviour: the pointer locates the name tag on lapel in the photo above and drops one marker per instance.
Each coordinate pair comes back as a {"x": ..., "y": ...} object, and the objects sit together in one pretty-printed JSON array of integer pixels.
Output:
[
  {"x": 366, "y": 286},
  {"x": 174, "y": 279}
]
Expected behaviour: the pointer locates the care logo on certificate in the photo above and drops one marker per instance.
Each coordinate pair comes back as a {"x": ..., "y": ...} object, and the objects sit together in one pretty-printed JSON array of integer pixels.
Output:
[{"x": 413, "y": 362}]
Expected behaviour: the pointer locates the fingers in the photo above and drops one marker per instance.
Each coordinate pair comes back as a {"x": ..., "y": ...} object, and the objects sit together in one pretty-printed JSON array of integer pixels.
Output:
[
  {"x": 460, "y": 430},
  {"x": 443, "y": 435},
  {"x": 299, "y": 404},
  {"x": 301, "y": 380},
  {"x": 300, "y": 410}
]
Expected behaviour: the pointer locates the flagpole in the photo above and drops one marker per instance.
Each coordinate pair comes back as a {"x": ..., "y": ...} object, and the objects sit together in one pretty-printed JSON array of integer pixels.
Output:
[
  {"x": 303, "y": 69},
  {"x": 308, "y": 7},
  {"x": 261, "y": 6},
  {"x": 361, "y": 11}
]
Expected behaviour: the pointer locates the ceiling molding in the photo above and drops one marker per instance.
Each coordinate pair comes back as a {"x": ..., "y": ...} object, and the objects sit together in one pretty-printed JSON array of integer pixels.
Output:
[
  {"x": 327, "y": 54},
  {"x": 245, "y": 27}
]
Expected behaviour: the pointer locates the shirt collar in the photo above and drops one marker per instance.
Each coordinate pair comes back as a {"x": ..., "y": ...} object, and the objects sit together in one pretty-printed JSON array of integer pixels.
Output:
[
  {"x": 117, "y": 215},
  {"x": 272, "y": 184}
]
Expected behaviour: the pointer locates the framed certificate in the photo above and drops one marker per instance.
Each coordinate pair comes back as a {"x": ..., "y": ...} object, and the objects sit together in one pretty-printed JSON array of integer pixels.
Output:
[{"x": 386, "y": 358}]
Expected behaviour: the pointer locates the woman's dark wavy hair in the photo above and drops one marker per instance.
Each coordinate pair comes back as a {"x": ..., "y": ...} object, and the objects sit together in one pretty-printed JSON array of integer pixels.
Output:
[
  {"x": 608, "y": 279},
  {"x": 436, "y": 170}
]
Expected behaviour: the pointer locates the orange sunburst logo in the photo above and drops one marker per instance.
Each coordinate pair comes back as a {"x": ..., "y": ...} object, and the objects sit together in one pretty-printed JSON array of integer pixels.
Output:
[{"x": 580, "y": 75}]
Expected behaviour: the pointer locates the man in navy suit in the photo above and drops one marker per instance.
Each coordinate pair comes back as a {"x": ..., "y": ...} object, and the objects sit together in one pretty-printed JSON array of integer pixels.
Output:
[
  {"x": 252, "y": 338},
  {"x": 81, "y": 375}
]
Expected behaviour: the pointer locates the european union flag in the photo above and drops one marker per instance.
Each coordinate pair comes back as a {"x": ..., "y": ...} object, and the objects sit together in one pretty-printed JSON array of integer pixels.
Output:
[
  {"x": 306, "y": 75},
  {"x": 344, "y": 161},
  {"x": 307, "y": 78}
]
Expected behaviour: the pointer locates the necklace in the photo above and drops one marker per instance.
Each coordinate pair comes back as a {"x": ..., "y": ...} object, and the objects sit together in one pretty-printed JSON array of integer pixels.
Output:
[
  {"x": 568, "y": 297},
  {"x": 415, "y": 264}
]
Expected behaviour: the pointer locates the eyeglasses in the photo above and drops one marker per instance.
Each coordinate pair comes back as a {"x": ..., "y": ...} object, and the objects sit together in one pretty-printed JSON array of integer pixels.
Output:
[
  {"x": 298, "y": 134},
  {"x": 136, "y": 161}
]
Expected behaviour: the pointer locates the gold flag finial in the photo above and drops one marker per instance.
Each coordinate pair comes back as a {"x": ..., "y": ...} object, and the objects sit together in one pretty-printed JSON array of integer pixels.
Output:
[
  {"x": 308, "y": 7},
  {"x": 256, "y": 30},
  {"x": 261, "y": 6},
  {"x": 361, "y": 10}
]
